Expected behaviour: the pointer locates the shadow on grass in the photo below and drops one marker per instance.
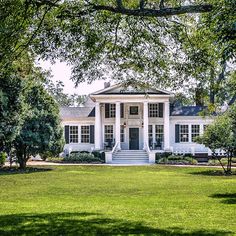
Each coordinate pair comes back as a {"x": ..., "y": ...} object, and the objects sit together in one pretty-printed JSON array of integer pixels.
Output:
[
  {"x": 228, "y": 198},
  {"x": 85, "y": 224},
  {"x": 212, "y": 173},
  {"x": 16, "y": 170}
]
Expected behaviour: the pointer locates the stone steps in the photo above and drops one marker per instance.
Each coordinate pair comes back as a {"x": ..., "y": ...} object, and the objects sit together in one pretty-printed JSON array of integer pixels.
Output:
[{"x": 130, "y": 157}]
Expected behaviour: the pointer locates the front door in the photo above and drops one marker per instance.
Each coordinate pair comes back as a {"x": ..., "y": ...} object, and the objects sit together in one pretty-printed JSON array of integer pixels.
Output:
[{"x": 134, "y": 138}]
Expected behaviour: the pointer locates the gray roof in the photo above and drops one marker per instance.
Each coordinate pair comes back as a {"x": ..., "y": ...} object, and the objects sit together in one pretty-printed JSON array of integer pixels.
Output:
[
  {"x": 83, "y": 112},
  {"x": 76, "y": 112},
  {"x": 186, "y": 110}
]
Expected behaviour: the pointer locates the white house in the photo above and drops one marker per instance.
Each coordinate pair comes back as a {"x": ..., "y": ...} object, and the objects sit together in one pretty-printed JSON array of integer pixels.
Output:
[{"x": 133, "y": 124}]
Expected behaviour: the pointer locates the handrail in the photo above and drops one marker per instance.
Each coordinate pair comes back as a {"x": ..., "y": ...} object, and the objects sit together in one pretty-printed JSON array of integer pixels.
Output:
[
  {"x": 147, "y": 147},
  {"x": 114, "y": 148}
]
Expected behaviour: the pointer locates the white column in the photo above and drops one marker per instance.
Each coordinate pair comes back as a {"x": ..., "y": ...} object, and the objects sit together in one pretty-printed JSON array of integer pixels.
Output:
[
  {"x": 145, "y": 124},
  {"x": 118, "y": 124},
  {"x": 98, "y": 127},
  {"x": 153, "y": 135},
  {"x": 166, "y": 126}
]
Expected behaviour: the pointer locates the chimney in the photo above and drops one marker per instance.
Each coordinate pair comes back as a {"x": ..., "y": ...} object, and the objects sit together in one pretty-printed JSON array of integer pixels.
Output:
[{"x": 106, "y": 85}]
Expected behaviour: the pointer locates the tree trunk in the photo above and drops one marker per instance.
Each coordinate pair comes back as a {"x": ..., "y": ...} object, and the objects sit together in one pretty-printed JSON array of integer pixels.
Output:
[
  {"x": 199, "y": 96},
  {"x": 21, "y": 157}
]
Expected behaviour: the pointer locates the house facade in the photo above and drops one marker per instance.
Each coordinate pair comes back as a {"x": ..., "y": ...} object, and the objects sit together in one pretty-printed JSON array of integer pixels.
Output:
[{"x": 128, "y": 121}]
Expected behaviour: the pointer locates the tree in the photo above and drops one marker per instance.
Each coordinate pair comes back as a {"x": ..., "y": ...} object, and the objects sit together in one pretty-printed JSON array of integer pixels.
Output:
[
  {"x": 41, "y": 131},
  {"x": 222, "y": 135},
  {"x": 133, "y": 41},
  {"x": 11, "y": 106}
]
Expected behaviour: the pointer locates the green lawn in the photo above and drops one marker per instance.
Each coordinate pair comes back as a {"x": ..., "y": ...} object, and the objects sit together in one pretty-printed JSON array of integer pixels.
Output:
[{"x": 105, "y": 200}]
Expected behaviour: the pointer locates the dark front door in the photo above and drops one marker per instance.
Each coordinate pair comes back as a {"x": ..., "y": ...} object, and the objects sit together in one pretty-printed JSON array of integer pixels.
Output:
[{"x": 134, "y": 138}]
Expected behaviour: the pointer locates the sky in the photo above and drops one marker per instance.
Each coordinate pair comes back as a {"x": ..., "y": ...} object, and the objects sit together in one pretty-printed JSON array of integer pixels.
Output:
[{"x": 61, "y": 71}]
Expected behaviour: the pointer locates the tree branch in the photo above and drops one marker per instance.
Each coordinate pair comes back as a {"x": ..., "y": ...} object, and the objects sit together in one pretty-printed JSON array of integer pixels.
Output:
[
  {"x": 119, "y": 4},
  {"x": 153, "y": 12},
  {"x": 161, "y": 4}
]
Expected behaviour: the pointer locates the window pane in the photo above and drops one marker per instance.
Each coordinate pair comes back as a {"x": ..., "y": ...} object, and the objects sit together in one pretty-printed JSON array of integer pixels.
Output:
[
  {"x": 133, "y": 110},
  {"x": 85, "y": 134},
  {"x": 108, "y": 134},
  {"x": 184, "y": 136},
  {"x": 112, "y": 110},
  {"x": 74, "y": 134},
  {"x": 153, "y": 110},
  {"x": 159, "y": 130},
  {"x": 195, "y": 131}
]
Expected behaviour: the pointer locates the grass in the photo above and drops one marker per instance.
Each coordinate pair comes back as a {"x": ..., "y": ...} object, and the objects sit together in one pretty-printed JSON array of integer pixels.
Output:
[{"x": 105, "y": 200}]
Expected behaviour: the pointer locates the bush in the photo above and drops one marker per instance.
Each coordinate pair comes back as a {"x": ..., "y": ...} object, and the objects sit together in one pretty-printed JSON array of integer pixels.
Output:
[
  {"x": 163, "y": 155},
  {"x": 100, "y": 155},
  {"x": 224, "y": 161},
  {"x": 55, "y": 159},
  {"x": 82, "y": 158},
  {"x": 177, "y": 159},
  {"x": 3, "y": 157}
]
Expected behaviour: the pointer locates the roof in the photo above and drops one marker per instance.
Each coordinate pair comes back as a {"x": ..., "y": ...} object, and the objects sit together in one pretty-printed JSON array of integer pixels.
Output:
[
  {"x": 186, "y": 110},
  {"x": 119, "y": 89},
  {"x": 76, "y": 112}
]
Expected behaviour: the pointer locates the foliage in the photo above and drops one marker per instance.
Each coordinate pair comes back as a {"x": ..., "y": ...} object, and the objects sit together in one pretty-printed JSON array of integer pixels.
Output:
[
  {"x": 11, "y": 107},
  {"x": 130, "y": 41},
  {"x": 3, "y": 157},
  {"x": 224, "y": 161},
  {"x": 41, "y": 131},
  {"x": 221, "y": 135},
  {"x": 82, "y": 158},
  {"x": 55, "y": 159},
  {"x": 100, "y": 155},
  {"x": 62, "y": 98},
  {"x": 177, "y": 159}
]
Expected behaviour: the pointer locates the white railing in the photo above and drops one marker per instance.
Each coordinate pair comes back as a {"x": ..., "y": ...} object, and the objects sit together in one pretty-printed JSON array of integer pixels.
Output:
[
  {"x": 108, "y": 155},
  {"x": 114, "y": 149},
  {"x": 151, "y": 155}
]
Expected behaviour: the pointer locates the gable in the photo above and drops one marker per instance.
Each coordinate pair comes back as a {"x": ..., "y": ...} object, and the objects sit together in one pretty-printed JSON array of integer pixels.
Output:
[{"x": 121, "y": 90}]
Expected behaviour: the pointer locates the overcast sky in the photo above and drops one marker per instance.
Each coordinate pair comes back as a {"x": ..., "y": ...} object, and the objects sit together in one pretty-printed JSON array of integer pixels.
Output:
[{"x": 61, "y": 71}]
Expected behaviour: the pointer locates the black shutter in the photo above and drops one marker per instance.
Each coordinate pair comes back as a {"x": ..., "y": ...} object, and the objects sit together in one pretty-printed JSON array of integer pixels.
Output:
[
  {"x": 122, "y": 110},
  {"x": 177, "y": 133},
  {"x": 67, "y": 134},
  {"x": 107, "y": 108},
  {"x": 160, "y": 109},
  {"x": 91, "y": 133},
  {"x": 148, "y": 110}
]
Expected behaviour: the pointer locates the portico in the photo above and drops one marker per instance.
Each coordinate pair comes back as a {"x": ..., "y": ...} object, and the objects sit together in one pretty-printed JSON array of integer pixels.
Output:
[{"x": 132, "y": 117}]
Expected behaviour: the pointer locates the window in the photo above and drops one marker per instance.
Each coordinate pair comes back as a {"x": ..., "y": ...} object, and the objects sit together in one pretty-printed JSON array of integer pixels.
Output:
[
  {"x": 74, "y": 134},
  {"x": 122, "y": 133},
  {"x": 108, "y": 133},
  {"x": 159, "y": 130},
  {"x": 133, "y": 110},
  {"x": 85, "y": 130},
  {"x": 112, "y": 110},
  {"x": 195, "y": 131},
  {"x": 153, "y": 110},
  {"x": 183, "y": 133}
]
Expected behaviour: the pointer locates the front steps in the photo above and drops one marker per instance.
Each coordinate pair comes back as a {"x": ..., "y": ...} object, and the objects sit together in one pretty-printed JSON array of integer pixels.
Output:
[{"x": 130, "y": 157}]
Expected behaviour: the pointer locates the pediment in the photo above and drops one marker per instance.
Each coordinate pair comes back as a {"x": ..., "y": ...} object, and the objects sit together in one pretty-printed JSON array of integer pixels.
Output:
[{"x": 121, "y": 90}]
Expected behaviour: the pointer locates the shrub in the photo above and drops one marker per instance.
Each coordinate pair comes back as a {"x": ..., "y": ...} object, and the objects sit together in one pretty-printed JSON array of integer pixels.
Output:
[
  {"x": 3, "y": 157},
  {"x": 100, "y": 155},
  {"x": 163, "y": 155},
  {"x": 55, "y": 159},
  {"x": 177, "y": 159},
  {"x": 82, "y": 158}
]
